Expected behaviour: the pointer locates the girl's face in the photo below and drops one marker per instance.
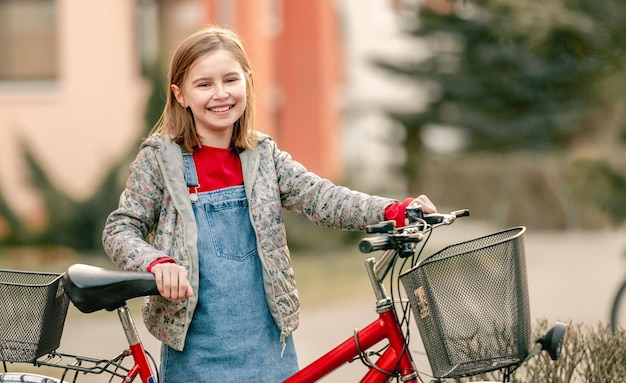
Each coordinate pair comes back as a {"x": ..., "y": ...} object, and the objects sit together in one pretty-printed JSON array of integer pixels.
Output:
[{"x": 214, "y": 88}]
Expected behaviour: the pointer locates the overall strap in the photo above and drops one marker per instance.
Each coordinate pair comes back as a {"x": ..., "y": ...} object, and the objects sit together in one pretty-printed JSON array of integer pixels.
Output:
[{"x": 191, "y": 177}]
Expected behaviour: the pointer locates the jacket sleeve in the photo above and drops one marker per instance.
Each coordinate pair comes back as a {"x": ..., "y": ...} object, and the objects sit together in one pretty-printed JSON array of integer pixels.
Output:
[
  {"x": 323, "y": 202},
  {"x": 129, "y": 229}
]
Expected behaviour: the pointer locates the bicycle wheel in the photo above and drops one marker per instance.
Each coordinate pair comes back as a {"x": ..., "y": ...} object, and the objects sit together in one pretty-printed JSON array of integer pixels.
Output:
[
  {"x": 22, "y": 377},
  {"x": 618, "y": 310}
]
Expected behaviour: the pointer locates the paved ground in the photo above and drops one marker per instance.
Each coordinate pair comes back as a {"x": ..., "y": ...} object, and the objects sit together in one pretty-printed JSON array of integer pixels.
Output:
[{"x": 572, "y": 277}]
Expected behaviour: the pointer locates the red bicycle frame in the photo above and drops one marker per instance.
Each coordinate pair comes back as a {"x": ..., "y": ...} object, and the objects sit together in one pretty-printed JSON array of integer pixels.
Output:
[
  {"x": 86, "y": 365},
  {"x": 395, "y": 360},
  {"x": 141, "y": 367},
  {"x": 136, "y": 349}
]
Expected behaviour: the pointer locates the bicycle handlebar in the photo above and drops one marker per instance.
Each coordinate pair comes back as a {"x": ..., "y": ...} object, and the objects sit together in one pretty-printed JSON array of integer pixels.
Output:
[
  {"x": 445, "y": 219},
  {"x": 367, "y": 245},
  {"x": 93, "y": 288},
  {"x": 404, "y": 238}
]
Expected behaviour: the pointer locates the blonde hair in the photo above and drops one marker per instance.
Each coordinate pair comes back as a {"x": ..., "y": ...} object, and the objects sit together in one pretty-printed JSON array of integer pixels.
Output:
[{"x": 176, "y": 121}]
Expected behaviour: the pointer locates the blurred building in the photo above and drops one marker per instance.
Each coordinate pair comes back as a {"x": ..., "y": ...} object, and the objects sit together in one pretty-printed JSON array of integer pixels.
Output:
[{"x": 72, "y": 85}]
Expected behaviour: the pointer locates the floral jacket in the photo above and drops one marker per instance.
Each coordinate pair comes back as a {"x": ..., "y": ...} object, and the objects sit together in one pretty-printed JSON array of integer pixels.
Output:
[{"x": 155, "y": 219}]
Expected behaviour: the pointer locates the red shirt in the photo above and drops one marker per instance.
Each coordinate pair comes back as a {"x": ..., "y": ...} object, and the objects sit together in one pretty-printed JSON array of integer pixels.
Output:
[{"x": 217, "y": 168}]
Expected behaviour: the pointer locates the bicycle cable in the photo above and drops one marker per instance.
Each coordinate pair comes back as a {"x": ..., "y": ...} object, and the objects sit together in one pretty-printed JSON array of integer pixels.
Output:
[{"x": 365, "y": 359}]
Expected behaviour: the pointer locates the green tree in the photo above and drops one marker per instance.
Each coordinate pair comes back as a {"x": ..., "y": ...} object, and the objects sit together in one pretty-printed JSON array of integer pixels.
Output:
[
  {"x": 514, "y": 74},
  {"x": 73, "y": 223},
  {"x": 13, "y": 230}
]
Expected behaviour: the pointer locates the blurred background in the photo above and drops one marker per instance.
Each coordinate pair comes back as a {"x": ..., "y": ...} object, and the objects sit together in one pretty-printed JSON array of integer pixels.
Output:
[{"x": 513, "y": 109}]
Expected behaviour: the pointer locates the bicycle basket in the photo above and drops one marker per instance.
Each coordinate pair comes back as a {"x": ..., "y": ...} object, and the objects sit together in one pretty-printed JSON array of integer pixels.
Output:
[
  {"x": 34, "y": 307},
  {"x": 470, "y": 302}
]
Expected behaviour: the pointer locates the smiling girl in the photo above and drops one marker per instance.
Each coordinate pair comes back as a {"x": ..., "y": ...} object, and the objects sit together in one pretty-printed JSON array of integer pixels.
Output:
[{"x": 202, "y": 211}]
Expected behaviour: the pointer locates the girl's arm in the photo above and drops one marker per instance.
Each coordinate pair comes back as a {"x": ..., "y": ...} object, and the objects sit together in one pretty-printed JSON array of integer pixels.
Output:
[
  {"x": 323, "y": 202},
  {"x": 129, "y": 227}
]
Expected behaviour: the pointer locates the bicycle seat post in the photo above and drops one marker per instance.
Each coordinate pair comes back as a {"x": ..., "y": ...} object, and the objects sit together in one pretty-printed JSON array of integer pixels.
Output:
[{"x": 129, "y": 326}]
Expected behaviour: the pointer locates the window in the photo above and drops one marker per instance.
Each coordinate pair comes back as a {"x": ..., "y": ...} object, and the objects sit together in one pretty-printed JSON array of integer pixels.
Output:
[{"x": 28, "y": 40}]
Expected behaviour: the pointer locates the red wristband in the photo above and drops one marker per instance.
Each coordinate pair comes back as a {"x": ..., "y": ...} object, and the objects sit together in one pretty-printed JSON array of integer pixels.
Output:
[
  {"x": 397, "y": 212},
  {"x": 159, "y": 261}
]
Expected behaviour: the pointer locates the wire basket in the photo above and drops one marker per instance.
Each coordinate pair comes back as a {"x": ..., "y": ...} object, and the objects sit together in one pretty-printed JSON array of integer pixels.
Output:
[
  {"x": 33, "y": 307},
  {"x": 470, "y": 302}
]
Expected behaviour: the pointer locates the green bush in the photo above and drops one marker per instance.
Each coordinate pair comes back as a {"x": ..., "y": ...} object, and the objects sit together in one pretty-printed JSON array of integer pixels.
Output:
[{"x": 591, "y": 354}]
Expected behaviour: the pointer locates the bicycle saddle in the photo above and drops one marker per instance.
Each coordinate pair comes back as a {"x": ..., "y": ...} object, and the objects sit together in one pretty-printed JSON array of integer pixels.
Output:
[{"x": 93, "y": 288}]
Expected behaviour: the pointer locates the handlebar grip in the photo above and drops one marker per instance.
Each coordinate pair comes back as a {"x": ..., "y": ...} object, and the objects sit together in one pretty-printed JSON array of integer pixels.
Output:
[
  {"x": 367, "y": 245},
  {"x": 461, "y": 213}
]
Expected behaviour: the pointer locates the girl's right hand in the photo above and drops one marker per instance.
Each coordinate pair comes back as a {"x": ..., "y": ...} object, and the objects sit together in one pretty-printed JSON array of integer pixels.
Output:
[{"x": 172, "y": 282}]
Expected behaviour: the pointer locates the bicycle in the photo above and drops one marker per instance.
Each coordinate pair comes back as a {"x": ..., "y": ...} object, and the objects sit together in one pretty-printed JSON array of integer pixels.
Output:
[
  {"x": 495, "y": 337},
  {"x": 618, "y": 309}
]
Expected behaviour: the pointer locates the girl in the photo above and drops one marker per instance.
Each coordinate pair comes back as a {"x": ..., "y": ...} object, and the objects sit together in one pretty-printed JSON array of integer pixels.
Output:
[{"x": 202, "y": 211}]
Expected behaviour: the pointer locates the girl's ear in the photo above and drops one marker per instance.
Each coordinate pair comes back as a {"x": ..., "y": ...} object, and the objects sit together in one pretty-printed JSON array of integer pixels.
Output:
[{"x": 178, "y": 94}]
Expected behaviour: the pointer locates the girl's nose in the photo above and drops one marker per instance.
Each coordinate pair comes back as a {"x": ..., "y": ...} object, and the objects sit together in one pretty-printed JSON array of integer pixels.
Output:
[{"x": 220, "y": 92}]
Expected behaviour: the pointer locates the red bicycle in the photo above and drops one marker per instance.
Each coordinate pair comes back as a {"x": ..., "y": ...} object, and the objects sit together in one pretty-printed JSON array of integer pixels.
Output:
[
  {"x": 468, "y": 325},
  {"x": 469, "y": 300}
]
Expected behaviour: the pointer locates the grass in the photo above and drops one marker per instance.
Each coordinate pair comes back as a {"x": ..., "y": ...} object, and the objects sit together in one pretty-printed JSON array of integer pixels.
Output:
[{"x": 331, "y": 276}]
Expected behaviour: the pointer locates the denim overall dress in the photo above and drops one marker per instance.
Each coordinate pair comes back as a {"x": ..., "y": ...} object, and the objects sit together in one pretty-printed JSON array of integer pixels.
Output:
[{"x": 232, "y": 336}]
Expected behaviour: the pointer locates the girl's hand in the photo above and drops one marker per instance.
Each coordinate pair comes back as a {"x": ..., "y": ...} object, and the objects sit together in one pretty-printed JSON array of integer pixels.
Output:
[
  {"x": 172, "y": 282},
  {"x": 397, "y": 211},
  {"x": 427, "y": 206}
]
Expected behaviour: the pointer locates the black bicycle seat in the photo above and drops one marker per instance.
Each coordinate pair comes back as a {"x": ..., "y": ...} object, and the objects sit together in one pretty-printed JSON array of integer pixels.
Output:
[{"x": 92, "y": 288}]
